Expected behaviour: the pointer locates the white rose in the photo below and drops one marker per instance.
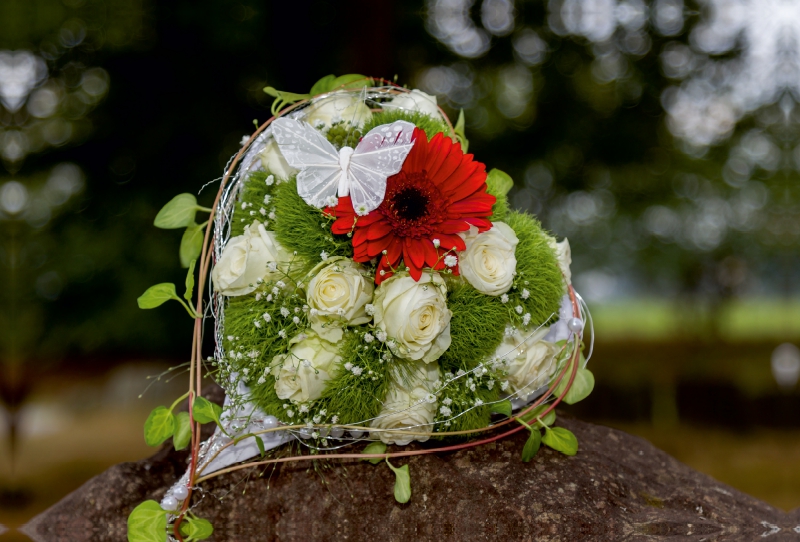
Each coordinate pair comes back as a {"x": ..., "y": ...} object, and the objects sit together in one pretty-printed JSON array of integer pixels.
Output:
[
  {"x": 414, "y": 315},
  {"x": 340, "y": 106},
  {"x": 564, "y": 257},
  {"x": 407, "y": 404},
  {"x": 301, "y": 374},
  {"x": 416, "y": 100},
  {"x": 339, "y": 292},
  {"x": 273, "y": 161},
  {"x": 244, "y": 260},
  {"x": 528, "y": 360},
  {"x": 488, "y": 263}
]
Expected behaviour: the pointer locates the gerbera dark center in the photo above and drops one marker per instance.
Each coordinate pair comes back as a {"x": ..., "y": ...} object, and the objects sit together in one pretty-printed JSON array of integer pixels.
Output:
[{"x": 411, "y": 203}]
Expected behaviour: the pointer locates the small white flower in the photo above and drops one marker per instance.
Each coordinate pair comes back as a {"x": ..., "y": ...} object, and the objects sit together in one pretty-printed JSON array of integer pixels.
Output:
[
  {"x": 357, "y": 371},
  {"x": 348, "y": 366},
  {"x": 267, "y": 198},
  {"x": 450, "y": 260},
  {"x": 297, "y": 309},
  {"x": 323, "y": 255},
  {"x": 296, "y": 320},
  {"x": 230, "y": 338},
  {"x": 266, "y": 317},
  {"x": 445, "y": 411},
  {"x": 257, "y": 323},
  {"x": 386, "y": 356},
  {"x": 303, "y": 408},
  {"x": 290, "y": 413},
  {"x": 361, "y": 210},
  {"x": 369, "y": 308},
  {"x": 504, "y": 385},
  {"x": 272, "y": 266},
  {"x": 335, "y": 419},
  {"x": 447, "y": 401},
  {"x": 519, "y": 309},
  {"x": 316, "y": 419},
  {"x": 261, "y": 380},
  {"x": 526, "y": 319},
  {"x": 284, "y": 312},
  {"x": 280, "y": 284},
  {"x": 271, "y": 215},
  {"x": 244, "y": 205},
  {"x": 282, "y": 334},
  {"x": 270, "y": 180},
  {"x": 478, "y": 402},
  {"x": 258, "y": 296},
  {"x": 436, "y": 243},
  {"x": 368, "y": 338},
  {"x": 340, "y": 311},
  {"x": 472, "y": 387},
  {"x": 525, "y": 293},
  {"x": 313, "y": 312},
  {"x": 504, "y": 298},
  {"x": 490, "y": 384},
  {"x": 269, "y": 298},
  {"x": 381, "y": 336},
  {"x": 332, "y": 201},
  {"x": 460, "y": 372}
]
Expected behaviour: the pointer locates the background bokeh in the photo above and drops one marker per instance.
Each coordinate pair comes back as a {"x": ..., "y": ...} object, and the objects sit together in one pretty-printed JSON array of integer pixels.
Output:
[{"x": 660, "y": 137}]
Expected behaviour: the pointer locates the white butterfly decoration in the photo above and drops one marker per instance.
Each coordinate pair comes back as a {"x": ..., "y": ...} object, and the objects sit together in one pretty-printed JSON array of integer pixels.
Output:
[{"x": 360, "y": 173}]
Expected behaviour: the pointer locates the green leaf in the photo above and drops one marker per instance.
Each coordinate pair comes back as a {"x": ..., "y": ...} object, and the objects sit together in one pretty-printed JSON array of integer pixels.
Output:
[
  {"x": 178, "y": 213},
  {"x": 561, "y": 440},
  {"x": 581, "y": 387},
  {"x": 402, "y": 483},
  {"x": 530, "y": 418},
  {"x": 205, "y": 411},
  {"x": 157, "y": 295},
  {"x": 147, "y": 523},
  {"x": 159, "y": 426},
  {"x": 499, "y": 182},
  {"x": 283, "y": 98},
  {"x": 350, "y": 81},
  {"x": 260, "y": 443},
  {"x": 198, "y": 529},
  {"x": 183, "y": 431},
  {"x": 377, "y": 447},
  {"x": 191, "y": 244},
  {"x": 323, "y": 85},
  {"x": 187, "y": 295},
  {"x": 503, "y": 407},
  {"x": 531, "y": 447},
  {"x": 459, "y": 129}
]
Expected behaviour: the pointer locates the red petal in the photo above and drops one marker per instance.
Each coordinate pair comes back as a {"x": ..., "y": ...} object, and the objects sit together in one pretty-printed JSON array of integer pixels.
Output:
[
  {"x": 360, "y": 237},
  {"x": 413, "y": 270},
  {"x": 452, "y": 241},
  {"x": 343, "y": 225},
  {"x": 394, "y": 250},
  {"x": 378, "y": 230},
  {"x": 440, "y": 154},
  {"x": 431, "y": 254},
  {"x": 452, "y": 226},
  {"x": 413, "y": 253},
  {"x": 369, "y": 219}
]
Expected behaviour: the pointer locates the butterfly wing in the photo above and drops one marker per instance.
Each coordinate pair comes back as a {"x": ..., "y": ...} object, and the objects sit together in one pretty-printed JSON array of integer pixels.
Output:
[
  {"x": 308, "y": 150},
  {"x": 379, "y": 155}
]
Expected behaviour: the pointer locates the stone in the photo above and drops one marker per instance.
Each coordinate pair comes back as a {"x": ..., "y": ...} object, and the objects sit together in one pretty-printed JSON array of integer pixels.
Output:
[{"x": 618, "y": 487}]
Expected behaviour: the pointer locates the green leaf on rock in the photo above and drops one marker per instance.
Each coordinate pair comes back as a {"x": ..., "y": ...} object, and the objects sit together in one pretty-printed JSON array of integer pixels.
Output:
[
  {"x": 191, "y": 244},
  {"x": 157, "y": 295},
  {"x": 532, "y": 416},
  {"x": 561, "y": 440},
  {"x": 197, "y": 529},
  {"x": 374, "y": 448},
  {"x": 183, "y": 431},
  {"x": 532, "y": 445},
  {"x": 159, "y": 426},
  {"x": 503, "y": 407},
  {"x": 147, "y": 523},
  {"x": 205, "y": 411},
  {"x": 402, "y": 483},
  {"x": 178, "y": 213}
]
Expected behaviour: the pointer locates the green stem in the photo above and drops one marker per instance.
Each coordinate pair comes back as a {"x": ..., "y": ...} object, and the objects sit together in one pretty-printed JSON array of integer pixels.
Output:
[
  {"x": 206, "y": 209},
  {"x": 191, "y": 312},
  {"x": 178, "y": 400}
]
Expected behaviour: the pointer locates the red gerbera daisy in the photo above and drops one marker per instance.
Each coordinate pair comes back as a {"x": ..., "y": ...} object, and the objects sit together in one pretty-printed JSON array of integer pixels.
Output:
[{"x": 439, "y": 192}]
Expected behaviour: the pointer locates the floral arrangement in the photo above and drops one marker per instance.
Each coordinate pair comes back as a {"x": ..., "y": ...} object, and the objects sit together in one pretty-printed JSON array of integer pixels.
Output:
[{"x": 369, "y": 284}]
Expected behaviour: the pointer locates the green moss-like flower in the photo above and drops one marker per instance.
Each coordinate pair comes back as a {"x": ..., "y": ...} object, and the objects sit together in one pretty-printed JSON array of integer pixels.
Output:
[
  {"x": 429, "y": 125},
  {"x": 343, "y": 134}
]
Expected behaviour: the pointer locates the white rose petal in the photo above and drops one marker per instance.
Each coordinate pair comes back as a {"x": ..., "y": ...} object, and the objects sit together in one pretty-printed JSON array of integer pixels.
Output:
[
  {"x": 299, "y": 381},
  {"x": 563, "y": 255},
  {"x": 531, "y": 361},
  {"x": 415, "y": 314},
  {"x": 338, "y": 294},
  {"x": 416, "y": 100},
  {"x": 407, "y": 404},
  {"x": 344, "y": 106},
  {"x": 488, "y": 263},
  {"x": 244, "y": 261},
  {"x": 273, "y": 161}
]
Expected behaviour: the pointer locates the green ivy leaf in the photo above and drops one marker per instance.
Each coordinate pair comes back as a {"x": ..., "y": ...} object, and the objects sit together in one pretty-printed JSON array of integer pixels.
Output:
[
  {"x": 196, "y": 528},
  {"x": 581, "y": 387},
  {"x": 459, "y": 129},
  {"x": 530, "y": 418},
  {"x": 205, "y": 411},
  {"x": 376, "y": 447},
  {"x": 191, "y": 244},
  {"x": 323, "y": 85},
  {"x": 147, "y": 523},
  {"x": 499, "y": 182},
  {"x": 178, "y": 213},
  {"x": 183, "y": 431},
  {"x": 187, "y": 295},
  {"x": 157, "y": 295},
  {"x": 532, "y": 445},
  {"x": 561, "y": 440},
  {"x": 402, "y": 483},
  {"x": 503, "y": 407},
  {"x": 260, "y": 443},
  {"x": 159, "y": 426}
]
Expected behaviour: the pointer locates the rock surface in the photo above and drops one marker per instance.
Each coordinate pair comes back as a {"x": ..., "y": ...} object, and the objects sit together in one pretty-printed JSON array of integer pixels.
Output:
[{"x": 618, "y": 487}]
